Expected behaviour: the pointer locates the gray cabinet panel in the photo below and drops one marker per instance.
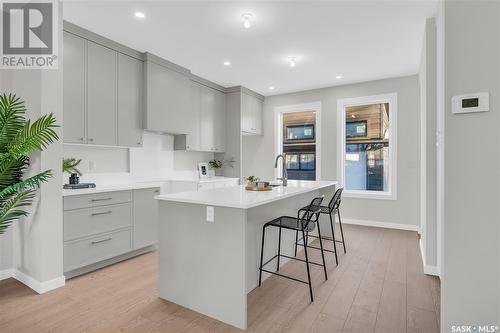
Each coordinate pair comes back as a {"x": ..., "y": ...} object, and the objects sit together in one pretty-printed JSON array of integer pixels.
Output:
[
  {"x": 87, "y": 251},
  {"x": 193, "y": 137},
  {"x": 85, "y": 222},
  {"x": 167, "y": 100},
  {"x": 101, "y": 95},
  {"x": 74, "y": 55},
  {"x": 207, "y": 119},
  {"x": 96, "y": 200},
  {"x": 251, "y": 114},
  {"x": 129, "y": 101},
  {"x": 220, "y": 121},
  {"x": 145, "y": 217}
]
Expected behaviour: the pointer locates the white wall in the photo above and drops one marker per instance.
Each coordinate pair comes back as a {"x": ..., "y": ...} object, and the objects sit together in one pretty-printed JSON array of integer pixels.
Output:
[
  {"x": 258, "y": 151},
  {"x": 36, "y": 241},
  {"x": 428, "y": 91},
  {"x": 471, "y": 263}
]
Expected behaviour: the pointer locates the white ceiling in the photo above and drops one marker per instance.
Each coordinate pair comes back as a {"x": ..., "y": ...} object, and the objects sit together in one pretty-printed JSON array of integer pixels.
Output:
[{"x": 361, "y": 40}]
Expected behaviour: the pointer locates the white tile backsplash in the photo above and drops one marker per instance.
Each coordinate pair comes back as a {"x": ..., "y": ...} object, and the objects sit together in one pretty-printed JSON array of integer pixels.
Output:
[{"x": 155, "y": 160}]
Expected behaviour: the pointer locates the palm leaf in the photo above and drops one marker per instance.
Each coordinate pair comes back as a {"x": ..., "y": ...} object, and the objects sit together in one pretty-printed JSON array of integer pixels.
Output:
[
  {"x": 30, "y": 183},
  {"x": 36, "y": 136},
  {"x": 11, "y": 170},
  {"x": 69, "y": 165},
  {"x": 12, "y": 119},
  {"x": 11, "y": 209}
]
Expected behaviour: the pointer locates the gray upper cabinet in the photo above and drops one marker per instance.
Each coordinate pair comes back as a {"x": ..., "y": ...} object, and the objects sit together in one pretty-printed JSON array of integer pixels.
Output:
[
  {"x": 101, "y": 95},
  {"x": 251, "y": 114},
  {"x": 193, "y": 137},
  {"x": 220, "y": 121},
  {"x": 74, "y": 88},
  {"x": 129, "y": 101},
  {"x": 167, "y": 99}
]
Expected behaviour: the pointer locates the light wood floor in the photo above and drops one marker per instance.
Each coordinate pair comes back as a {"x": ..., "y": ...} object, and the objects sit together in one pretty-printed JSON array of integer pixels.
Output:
[{"x": 379, "y": 286}]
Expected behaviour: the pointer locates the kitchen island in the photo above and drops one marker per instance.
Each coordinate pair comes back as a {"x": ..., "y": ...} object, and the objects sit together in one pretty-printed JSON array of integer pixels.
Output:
[{"x": 209, "y": 243}]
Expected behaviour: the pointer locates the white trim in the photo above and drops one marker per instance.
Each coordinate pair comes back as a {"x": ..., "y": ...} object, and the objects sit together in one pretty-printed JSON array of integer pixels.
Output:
[
  {"x": 379, "y": 224},
  {"x": 39, "y": 287},
  {"x": 428, "y": 269},
  {"x": 7, "y": 273},
  {"x": 392, "y": 99},
  {"x": 278, "y": 131}
]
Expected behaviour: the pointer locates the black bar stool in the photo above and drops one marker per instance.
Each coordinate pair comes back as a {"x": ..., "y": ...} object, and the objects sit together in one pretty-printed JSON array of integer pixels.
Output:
[
  {"x": 304, "y": 223},
  {"x": 332, "y": 209}
]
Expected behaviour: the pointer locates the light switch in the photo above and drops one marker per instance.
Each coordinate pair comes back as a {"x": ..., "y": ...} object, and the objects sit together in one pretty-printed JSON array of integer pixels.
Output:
[{"x": 210, "y": 214}]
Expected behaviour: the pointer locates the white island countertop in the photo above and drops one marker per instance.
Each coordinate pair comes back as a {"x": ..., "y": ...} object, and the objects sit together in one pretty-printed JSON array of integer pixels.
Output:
[{"x": 238, "y": 197}]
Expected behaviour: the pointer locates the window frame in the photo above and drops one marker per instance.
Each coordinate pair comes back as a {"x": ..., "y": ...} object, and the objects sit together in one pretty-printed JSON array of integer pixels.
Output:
[{"x": 342, "y": 104}]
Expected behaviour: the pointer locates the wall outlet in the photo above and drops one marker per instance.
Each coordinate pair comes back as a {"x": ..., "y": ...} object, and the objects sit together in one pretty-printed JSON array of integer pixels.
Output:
[{"x": 210, "y": 214}]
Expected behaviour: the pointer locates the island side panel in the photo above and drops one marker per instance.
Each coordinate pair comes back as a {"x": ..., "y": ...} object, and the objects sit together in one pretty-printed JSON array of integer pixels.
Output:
[
  {"x": 258, "y": 216},
  {"x": 202, "y": 264}
]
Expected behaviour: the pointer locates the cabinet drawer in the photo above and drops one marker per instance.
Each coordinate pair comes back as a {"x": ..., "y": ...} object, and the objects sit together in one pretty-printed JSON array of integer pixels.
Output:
[
  {"x": 91, "y": 250},
  {"x": 86, "y": 222},
  {"x": 97, "y": 199}
]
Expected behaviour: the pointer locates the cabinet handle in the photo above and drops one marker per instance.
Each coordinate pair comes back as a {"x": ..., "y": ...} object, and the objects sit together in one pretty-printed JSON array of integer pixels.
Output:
[
  {"x": 103, "y": 199},
  {"x": 101, "y": 213},
  {"x": 101, "y": 241},
  {"x": 139, "y": 143},
  {"x": 91, "y": 139},
  {"x": 81, "y": 139},
  {"x": 157, "y": 191},
  {"x": 187, "y": 147}
]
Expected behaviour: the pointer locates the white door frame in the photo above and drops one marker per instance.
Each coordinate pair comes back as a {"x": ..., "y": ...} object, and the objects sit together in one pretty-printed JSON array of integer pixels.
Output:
[{"x": 278, "y": 131}]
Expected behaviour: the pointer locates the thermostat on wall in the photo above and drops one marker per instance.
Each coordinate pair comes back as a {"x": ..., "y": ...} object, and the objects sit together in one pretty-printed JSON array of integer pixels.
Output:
[{"x": 478, "y": 102}]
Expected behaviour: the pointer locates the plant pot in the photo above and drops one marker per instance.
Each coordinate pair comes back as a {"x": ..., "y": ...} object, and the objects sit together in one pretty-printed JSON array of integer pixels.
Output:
[{"x": 251, "y": 184}]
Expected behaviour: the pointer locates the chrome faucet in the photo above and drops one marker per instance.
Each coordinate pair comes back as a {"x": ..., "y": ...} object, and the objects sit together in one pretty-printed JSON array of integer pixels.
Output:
[{"x": 284, "y": 175}]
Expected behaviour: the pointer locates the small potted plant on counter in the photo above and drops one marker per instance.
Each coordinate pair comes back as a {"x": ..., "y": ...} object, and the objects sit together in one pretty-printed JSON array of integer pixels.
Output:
[
  {"x": 69, "y": 165},
  {"x": 252, "y": 181},
  {"x": 215, "y": 165}
]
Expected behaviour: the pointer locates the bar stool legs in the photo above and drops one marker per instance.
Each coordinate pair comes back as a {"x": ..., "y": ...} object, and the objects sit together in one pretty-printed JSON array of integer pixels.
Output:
[
  {"x": 341, "y": 231},
  {"x": 307, "y": 265},
  {"x": 279, "y": 251},
  {"x": 333, "y": 237},
  {"x": 262, "y": 254},
  {"x": 321, "y": 246}
]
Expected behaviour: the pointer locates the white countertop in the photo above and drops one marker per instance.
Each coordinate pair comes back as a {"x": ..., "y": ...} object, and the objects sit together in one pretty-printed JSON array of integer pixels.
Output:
[
  {"x": 100, "y": 188},
  {"x": 238, "y": 197},
  {"x": 111, "y": 188}
]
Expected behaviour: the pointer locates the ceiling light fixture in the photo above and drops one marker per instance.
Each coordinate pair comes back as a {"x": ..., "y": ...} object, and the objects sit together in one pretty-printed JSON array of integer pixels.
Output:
[
  {"x": 271, "y": 88},
  {"x": 338, "y": 77},
  {"x": 292, "y": 61},
  {"x": 227, "y": 63},
  {"x": 140, "y": 15},
  {"x": 247, "y": 17}
]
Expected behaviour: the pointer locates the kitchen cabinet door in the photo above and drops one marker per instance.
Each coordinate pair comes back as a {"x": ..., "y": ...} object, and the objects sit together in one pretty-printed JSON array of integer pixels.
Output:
[
  {"x": 101, "y": 95},
  {"x": 207, "y": 119},
  {"x": 74, "y": 58},
  {"x": 193, "y": 137},
  {"x": 257, "y": 111},
  {"x": 145, "y": 217},
  {"x": 219, "y": 121},
  {"x": 167, "y": 100},
  {"x": 246, "y": 113},
  {"x": 129, "y": 101}
]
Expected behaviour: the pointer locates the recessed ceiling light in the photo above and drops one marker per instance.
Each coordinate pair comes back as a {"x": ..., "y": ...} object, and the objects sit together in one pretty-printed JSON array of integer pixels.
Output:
[
  {"x": 292, "y": 61},
  {"x": 271, "y": 88},
  {"x": 140, "y": 15},
  {"x": 338, "y": 77},
  {"x": 247, "y": 18},
  {"x": 227, "y": 63}
]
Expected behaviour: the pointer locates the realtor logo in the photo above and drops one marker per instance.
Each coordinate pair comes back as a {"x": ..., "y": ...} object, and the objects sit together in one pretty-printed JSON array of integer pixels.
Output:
[{"x": 29, "y": 34}]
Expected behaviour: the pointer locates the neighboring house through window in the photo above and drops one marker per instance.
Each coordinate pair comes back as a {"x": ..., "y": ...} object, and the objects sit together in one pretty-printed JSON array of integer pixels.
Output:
[{"x": 367, "y": 146}]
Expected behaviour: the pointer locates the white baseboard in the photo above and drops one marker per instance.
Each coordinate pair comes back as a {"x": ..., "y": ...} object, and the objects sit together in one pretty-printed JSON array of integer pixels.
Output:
[
  {"x": 428, "y": 269},
  {"x": 7, "y": 273},
  {"x": 389, "y": 225},
  {"x": 39, "y": 287}
]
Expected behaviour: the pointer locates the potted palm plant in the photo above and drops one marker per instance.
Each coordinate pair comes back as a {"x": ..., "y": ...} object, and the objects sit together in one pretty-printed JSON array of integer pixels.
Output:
[{"x": 19, "y": 137}]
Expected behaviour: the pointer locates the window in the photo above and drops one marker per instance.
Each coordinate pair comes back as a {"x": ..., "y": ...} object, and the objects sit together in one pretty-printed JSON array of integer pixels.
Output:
[
  {"x": 367, "y": 151},
  {"x": 300, "y": 132}
]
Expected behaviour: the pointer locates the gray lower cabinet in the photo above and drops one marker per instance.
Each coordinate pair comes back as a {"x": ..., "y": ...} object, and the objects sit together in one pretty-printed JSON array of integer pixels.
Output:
[
  {"x": 129, "y": 120},
  {"x": 74, "y": 63},
  {"x": 145, "y": 217},
  {"x": 102, "y": 226},
  {"x": 101, "y": 95}
]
